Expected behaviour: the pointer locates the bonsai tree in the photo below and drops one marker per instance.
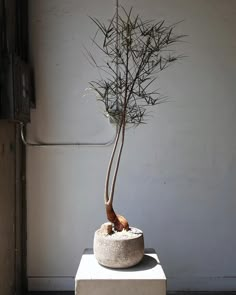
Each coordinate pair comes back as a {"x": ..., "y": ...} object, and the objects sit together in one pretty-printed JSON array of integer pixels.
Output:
[{"x": 135, "y": 51}]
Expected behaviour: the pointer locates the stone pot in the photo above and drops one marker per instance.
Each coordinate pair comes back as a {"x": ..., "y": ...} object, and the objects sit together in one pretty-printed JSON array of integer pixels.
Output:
[{"x": 119, "y": 249}]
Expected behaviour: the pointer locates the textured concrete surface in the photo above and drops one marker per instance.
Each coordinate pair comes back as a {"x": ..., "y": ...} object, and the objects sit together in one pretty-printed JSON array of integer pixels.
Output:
[{"x": 120, "y": 250}]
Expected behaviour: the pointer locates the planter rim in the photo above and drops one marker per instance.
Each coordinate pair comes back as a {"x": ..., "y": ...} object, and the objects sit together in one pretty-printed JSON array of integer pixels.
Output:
[{"x": 135, "y": 235}]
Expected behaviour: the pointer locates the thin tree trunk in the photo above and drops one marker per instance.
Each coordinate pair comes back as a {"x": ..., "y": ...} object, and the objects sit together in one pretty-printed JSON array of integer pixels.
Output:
[
  {"x": 117, "y": 163},
  {"x": 106, "y": 193},
  {"x": 119, "y": 221}
]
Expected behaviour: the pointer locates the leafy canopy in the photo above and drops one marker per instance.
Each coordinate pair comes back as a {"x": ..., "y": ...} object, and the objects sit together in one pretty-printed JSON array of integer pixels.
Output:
[{"x": 134, "y": 51}]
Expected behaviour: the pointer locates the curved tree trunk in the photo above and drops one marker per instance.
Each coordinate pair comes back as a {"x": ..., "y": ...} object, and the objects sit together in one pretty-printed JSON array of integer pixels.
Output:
[{"x": 120, "y": 222}]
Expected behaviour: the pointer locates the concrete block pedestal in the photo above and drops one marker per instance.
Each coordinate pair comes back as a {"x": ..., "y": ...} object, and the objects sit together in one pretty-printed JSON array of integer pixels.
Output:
[{"x": 146, "y": 278}]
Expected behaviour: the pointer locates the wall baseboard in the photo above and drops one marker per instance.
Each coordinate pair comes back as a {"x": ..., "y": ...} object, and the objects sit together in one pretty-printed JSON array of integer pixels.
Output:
[
  {"x": 179, "y": 286},
  {"x": 198, "y": 293},
  {"x": 51, "y": 283},
  {"x": 201, "y": 284}
]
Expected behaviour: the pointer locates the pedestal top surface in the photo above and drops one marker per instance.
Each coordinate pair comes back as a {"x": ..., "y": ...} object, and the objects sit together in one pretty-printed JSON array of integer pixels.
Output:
[{"x": 148, "y": 269}]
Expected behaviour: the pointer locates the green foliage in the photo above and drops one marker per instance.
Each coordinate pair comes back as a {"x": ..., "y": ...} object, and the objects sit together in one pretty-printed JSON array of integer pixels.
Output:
[{"x": 134, "y": 51}]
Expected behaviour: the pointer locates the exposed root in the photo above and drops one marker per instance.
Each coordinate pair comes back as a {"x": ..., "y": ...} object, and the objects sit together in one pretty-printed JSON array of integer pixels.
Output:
[{"x": 120, "y": 222}]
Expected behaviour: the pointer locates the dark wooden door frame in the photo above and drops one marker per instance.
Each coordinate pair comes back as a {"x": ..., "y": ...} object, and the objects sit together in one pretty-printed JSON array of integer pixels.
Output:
[
  {"x": 14, "y": 40},
  {"x": 20, "y": 215}
]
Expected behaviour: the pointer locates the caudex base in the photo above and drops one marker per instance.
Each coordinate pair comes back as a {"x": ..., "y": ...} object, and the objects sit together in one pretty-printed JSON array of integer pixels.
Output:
[{"x": 120, "y": 222}]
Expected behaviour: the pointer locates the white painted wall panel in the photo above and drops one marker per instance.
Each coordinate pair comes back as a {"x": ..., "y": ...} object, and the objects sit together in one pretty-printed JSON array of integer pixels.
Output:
[{"x": 177, "y": 176}]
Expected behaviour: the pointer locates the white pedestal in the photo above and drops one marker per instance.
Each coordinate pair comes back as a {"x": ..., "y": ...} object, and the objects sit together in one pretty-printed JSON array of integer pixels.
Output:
[{"x": 146, "y": 278}]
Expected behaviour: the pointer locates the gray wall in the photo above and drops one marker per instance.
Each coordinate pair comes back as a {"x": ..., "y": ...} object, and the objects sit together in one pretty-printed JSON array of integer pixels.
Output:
[{"x": 177, "y": 176}]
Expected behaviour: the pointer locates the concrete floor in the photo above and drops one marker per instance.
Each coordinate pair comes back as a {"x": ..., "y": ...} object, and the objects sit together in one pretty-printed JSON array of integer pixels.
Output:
[
  {"x": 52, "y": 293},
  {"x": 168, "y": 293}
]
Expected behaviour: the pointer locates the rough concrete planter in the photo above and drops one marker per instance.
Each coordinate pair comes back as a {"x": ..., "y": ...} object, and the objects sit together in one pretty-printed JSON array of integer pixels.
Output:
[{"x": 120, "y": 249}]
